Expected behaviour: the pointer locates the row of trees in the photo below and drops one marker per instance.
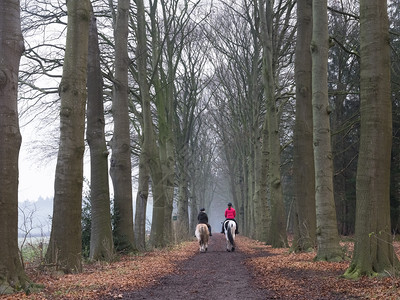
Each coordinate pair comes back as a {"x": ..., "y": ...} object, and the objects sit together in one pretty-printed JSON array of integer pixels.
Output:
[{"x": 195, "y": 97}]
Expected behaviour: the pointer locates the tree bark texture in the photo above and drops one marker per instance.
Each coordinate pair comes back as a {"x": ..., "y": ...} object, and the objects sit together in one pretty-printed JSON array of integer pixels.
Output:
[
  {"x": 303, "y": 155},
  {"x": 101, "y": 240},
  {"x": 259, "y": 225},
  {"x": 193, "y": 208},
  {"x": 149, "y": 153},
  {"x": 165, "y": 102},
  {"x": 327, "y": 233},
  {"x": 12, "y": 274},
  {"x": 373, "y": 252},
  {"x": 182, "y": 223},
  {"x": 261, "y": 208},
  {"x": 277, "y": 236},
  {"x": 182, "y": 226},
  {"x": 141, "y": 203},
  {"x": 65, "y": 239},
  {"x": 120, "y": 169}
]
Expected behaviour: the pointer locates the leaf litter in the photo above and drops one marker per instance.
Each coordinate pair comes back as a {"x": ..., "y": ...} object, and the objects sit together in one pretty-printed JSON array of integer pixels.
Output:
[{"x": 283, "y": 274}]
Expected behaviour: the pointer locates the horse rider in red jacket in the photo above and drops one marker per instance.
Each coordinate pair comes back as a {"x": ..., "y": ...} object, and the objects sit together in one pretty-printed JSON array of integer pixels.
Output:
[{"x": 230, "y": 214}]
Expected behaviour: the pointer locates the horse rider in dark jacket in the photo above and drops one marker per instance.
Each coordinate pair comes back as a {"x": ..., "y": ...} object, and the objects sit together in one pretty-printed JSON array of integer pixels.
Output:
[{"x": 203, "y": 219}]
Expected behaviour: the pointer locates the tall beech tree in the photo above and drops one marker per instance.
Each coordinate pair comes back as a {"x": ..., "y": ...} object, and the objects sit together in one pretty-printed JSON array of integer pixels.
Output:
[
  {"x": 277, "y": 235},
  {"x": 148, "y": 143},
  {"x": 120, "y": 168},
  {"x": 12, "y": 274},
  {"x": 170, "y": 43},
  {"x": 149, "y": 157},
  {"x": 65, "y": 239},
  {"x": 142, "y": 196},
  {"x": 303, "y": 155},
  {"x": 327, "y": 233},
  {"x": 258, "y": 156},
  {"x": 101, "y": 240},
  {"x": 394, "y": 20},
  {"x": 373, "y": 250}
]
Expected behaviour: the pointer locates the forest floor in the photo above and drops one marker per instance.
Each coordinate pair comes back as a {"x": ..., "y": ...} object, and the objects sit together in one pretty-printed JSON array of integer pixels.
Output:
[{"x": 253, "y": 271}]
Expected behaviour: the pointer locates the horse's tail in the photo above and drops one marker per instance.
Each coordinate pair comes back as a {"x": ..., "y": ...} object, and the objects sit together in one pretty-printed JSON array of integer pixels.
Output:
[
  {"x": 202, "y": 232},
  {"x": 230, "y": 236},
  {"x": 205, "y": 232}
]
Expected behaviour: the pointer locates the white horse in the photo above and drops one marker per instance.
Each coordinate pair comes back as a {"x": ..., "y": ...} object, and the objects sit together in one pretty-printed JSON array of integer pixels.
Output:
[
  {"x": 202, "y": 235},
  {"x": 230, "y": 228}
]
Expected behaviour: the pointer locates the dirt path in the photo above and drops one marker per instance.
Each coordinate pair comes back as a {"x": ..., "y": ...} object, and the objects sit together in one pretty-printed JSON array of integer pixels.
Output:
[{"x": 216, "y": 274}]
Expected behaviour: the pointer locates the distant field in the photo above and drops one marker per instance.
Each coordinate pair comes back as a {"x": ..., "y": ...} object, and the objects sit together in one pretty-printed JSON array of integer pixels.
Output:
[{"x": 36, "y": 240}]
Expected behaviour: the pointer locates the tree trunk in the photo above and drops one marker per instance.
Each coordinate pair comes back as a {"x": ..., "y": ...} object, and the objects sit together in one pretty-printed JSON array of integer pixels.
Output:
[
  {"x": 65, "y": 239},
  {"x": 120, "y": 170},
  {"x": 101, "y": 241},
  {"x": 261, "y": 209},
  {"x": 260, "y": 225},
  {"x": 303, "y": 155},
  {"x": 166, "y": 139},
  {"x": 141, "y": 204},
  {"x": 193, "y": 209},
  {"x": 12, "y": 274},
  {"x": 149, "y": 147},
  {"x": 277, "y": 236},
  {"x": 373, "y": 251},
  {"x": 251, "y": 198},
  {"x": 182, "y": 223},
  {"x": 327, "y": 233}
]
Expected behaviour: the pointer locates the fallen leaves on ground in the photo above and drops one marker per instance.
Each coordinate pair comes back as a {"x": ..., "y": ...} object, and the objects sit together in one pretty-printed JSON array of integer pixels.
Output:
[
  {"x": 297, "y": 276},
  {"x": 287, "y": 275},
  {"x": 100, "y": 279}
]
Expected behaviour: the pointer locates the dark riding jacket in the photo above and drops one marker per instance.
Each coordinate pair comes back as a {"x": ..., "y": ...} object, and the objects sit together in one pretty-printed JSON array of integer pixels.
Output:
[{"x": 202, "y": 218}]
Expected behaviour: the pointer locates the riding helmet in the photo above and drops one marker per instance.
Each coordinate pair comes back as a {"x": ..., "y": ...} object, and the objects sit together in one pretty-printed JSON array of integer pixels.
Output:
[
  {"x": 229, "y": 204},
  {"x": 202, "y": 209}
]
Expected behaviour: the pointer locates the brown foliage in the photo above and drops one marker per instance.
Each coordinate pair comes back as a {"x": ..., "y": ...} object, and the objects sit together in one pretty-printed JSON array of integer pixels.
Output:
[{"x": 297, "y": 276}]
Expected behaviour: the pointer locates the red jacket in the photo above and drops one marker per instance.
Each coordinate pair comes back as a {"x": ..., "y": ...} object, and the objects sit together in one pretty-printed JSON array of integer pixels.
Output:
[{"x": 230, "y": 213}]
